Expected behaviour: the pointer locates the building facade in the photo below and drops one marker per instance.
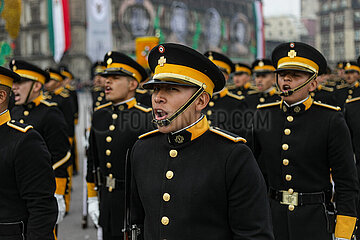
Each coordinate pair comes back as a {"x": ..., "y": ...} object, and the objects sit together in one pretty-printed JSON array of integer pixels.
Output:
[
  {"x": 222, "y": 25},
  {"x": 338, "y": 35}
]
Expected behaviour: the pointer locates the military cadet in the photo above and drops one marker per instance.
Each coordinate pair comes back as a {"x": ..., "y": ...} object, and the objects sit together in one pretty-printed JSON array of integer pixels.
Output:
[
  {"x": 191, "y": 181},
  {"x": 264, "y": 79},
  {"x": 28, "y": 207},
  {"x": 68, "y": 78},
  {"x": 298, "y": 146},
  {"x": 46, "y": 118},
  {"x": 115, "y": 128},
  {"x": 352, "y": 117},
  {"x": 226, "y": 110},
  {"x": 351, "y": 89},
  {"x": 97, "y": 91},
  {"x": 58, "y": 94},
  {"x": 241, "y": 79}
]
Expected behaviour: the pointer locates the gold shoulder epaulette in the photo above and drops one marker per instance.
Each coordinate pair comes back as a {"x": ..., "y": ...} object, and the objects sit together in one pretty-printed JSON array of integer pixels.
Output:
[
  {"x": 227, "y": 135},
  {"x": 143, "y": 108},
  {"x": 49, "y": 104},
  {"x": 342, "y": 86},
  {"x": 141, "y": 91},
  {"x": 327, "y": 106},
  {"x": 252, "y": 87},
  {"x": 268, "y": 104},
  {"x": 19, "y": 127},
  {"x": 102, "y": 106},
  {"x": 71, "y": 88},
  {"x": 328, "y": 89},
  {"x": 235, "y": 96},
  {"x": 231, "y": 87},
  {"x": 148, "y": 133},
  {"x": 352, "y": 100},
  {"x": 64, "y": 94},
  {"x": 252, "y": 92}
]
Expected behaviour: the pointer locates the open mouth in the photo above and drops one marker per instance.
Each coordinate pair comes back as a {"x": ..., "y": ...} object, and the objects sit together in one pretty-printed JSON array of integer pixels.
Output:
[
  {"x": 108, "y": 89},
  {"x": 160, "y": 114},
  {"x": 286, "y": 88},
  {"x": 17, "y": 97}
]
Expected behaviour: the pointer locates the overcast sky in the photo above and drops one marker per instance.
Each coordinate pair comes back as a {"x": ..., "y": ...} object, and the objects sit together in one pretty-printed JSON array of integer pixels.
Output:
[{"x": 281, "y": 7}]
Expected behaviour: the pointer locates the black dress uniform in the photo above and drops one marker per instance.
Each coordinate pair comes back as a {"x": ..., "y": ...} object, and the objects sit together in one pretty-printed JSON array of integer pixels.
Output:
[
  {"x": 143, "y": 96},
  {"x": 352, "y": 117},
  {"x": 345, "y": 91},
  {"x": 225, "y": 109},
  {"x": 324, "y": 94},
  {"x": 72, "y": 92},
  {"x": 27, "y": 207},
  {"x": 198, "y": 182},
  {"x": 114, "y": 130},
  {"x": 298, "y": 147}
]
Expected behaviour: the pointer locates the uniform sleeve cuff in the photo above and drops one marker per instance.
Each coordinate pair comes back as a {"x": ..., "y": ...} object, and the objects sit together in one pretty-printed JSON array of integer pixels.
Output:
[
  {"x": 60, "y": 186},
  {"x": 91, "y": 190},
  {"x": 345, "y": 226}
]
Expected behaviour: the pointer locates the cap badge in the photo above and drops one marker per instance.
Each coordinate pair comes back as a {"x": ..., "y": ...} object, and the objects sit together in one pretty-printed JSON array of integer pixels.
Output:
[
  {"x": 261, "y": 64},
  {"x": 211, "y": 56},
  {"x": 348, "y": 65},
  {"x": 162, "y": 61},
  {"x": 179, "y": 139},
  {"x": 109, "y": 61},
  {"x": 292, "y": 53},
  {"x": 292, "y": 45},
  {"x": 14, "y": 68},
  {"x": 161, "y": 49}
]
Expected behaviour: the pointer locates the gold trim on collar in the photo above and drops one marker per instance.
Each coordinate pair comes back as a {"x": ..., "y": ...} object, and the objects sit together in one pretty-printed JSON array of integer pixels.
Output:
[
  {"x": 247, "y": 85},
  {"x": 38, "y": 99},
  {"x": 223, "y": 92},
  {"x": 272, "y": 91},
  {"x": 58, "y": 91},
  {"x": 131, "y": 104},
  {"x": 199, "y": 128},
  {"x": 308, "y": 103},
  {"x": 5, "y": 117}
]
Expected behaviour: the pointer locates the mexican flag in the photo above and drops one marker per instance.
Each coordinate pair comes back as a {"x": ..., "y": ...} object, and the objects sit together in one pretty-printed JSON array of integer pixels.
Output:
[
  {"x": 259, "y": 25},
  {"x": 59, "y": 27}
]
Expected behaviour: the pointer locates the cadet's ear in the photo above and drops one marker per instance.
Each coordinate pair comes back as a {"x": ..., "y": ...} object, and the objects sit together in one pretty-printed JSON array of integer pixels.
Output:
[
  {"x": 202, "y": 101},
  {"x": 37, "y": 87},
  {"x": 133, "y": 84},
  {"x": 313, "y": 85}
]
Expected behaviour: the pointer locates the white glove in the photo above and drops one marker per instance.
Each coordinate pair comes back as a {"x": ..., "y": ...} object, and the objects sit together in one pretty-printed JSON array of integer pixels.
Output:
[
  {"x": 61, "y": 207},
  {"x": 93, "y": 210}
]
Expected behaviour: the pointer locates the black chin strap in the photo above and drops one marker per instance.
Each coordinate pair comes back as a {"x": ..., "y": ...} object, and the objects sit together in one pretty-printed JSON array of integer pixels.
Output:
[
  {"x": 167, "y": 121},
  {"x": 290, "y": 92},
  {"x": 31, "y": 88}
]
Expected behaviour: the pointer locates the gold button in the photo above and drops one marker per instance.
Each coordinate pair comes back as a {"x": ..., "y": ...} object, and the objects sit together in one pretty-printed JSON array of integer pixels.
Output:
[
  {"x": 97, "y": 104},
  {"x": 285, "y": 146},
  {"x": 99, "y": 98},
  {"x": 290, "y": 118},
  {"x": 165, "y": 220},
  {"x": 102, "y": 94},
  {"x": 108, "y": 165},
  {"x": 350, "y": 91},
  {"x": 21, "y": 121},
  {"x": 121, "y": 107},
  {"x": 291, "y": 207},
  {"x": 286, "y": 162},
  {"x": 284, "y": 108},
  {"x": 110, "y": 189},
  {"x": 288, "y": 177},
  {"x": 216, "y": 97},
  {"x": 209, "y": 112},
  {"x": 111, "y": 127},
  {"x": 173, "y": 153},
  {"x": 291, "y": 191},
  {"x": 349, "y": 97},
  {"x": 287, "y": 131},
  {"x": 262, "y": 100},
  {"x": 211, "y": 104},
  {"x": 110, "y": 175},
  {"x": 108, "y": 139},
  {"x": 169, "y": 174},
  {"x": 297, "y": 109},
  {"x": 166, "y": 197},
  {"x": 114, "y": 116},
  {"x": 312, "y": 94},
  {"x": 26, "y": 113},
  {"x": 209, "y": 122},
  {"x": 108, "y": 152},
  {"x": 239, "y": 92}
]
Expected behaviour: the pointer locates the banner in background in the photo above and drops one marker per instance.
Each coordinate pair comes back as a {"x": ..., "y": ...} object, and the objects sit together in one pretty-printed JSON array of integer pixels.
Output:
[
  {"x": 143, "y": 46},
  {"x": 59, "y": 27},
  {"x": 99, "y": 29},
  {"x": 259, "y": 23}
]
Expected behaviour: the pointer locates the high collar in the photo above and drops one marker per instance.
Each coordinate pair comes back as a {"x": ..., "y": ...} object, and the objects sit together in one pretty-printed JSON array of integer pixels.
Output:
[
  {"x": 36, "y": 102},
  {"x": 247, "y": 85},
  {"x": 189, "y": 133},
  {"x": 269, "y": 92},
  {"x": 5, "y": 117},
  {"x": 58, "y": 91},
  {"x": 298, "y": 107},
  {"x": 221, "y": 94},
  {"x": 355, "y": 85},
  {"x": 130, "y": 103}
]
